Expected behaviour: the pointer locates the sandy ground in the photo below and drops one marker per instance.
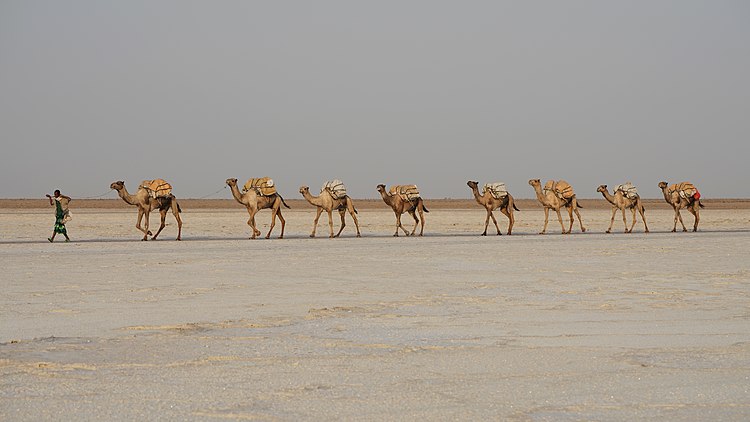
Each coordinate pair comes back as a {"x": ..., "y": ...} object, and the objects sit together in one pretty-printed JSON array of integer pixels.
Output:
[{"x": 449, "y": 326}]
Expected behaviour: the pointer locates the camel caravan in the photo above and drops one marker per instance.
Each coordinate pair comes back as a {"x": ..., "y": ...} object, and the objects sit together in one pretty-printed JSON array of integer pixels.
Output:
[{"x": 261, "y": 193}]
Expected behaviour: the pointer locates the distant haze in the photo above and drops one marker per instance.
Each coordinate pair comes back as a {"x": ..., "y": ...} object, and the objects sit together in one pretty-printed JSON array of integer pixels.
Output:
[{"x": 432, "y": 93}]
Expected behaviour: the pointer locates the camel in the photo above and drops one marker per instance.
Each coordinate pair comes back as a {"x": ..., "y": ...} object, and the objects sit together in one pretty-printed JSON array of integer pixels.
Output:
[
  {"x": 549, "y": 200},
  {"x": 325, "y": 201},
  {"x": 254, "y": 203},
  {"x": 490, "y": 203},
  {"x": 622, "y": 202},
  {"x": 400, "y": 206},
  {"x": 146, "y": 203},
  {"x": 676, "y": 201}
]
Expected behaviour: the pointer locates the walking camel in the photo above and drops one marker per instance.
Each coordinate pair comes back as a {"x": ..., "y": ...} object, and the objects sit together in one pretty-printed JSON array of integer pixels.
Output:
[
  {"x": 255, "y": 202},
  {"x": 401, "y": 206},
  {"x": 146, "y": 203},
  {"x": 622, "y": 202},
  {"x": 490, "y": 203},
  {"x": 677, "y": 201},
  {"x": 325, "y": 201},
  {"x": 550, "y": 200}
]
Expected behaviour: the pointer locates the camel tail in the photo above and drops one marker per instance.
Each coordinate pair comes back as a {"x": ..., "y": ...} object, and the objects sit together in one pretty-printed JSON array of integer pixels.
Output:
[
  {"x": 425, "y": 208},
  {"x": 700, "y": 204},
  {"x": 179, "y": 210},
  {"x": 283, "y": 202},
  {"x": 578, "y": 205},
  {"x": 515, "y": 207}
]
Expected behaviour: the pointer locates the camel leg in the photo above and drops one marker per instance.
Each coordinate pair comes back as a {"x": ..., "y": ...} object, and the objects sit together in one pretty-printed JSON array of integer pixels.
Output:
[
  {"x": 163, "y": 219},
  {"x": 508, "y": 213},
  {"x": 315, "y": 223},
  {"x": 633, "y": 224},
  {"x": 330, "y": 224},
  {"x": 679, "y": 217},
  {"x": 578, "y": 214},
  {"x": 274, "y": 210},
  {"x": 494, "y": 220},
  {"x": 624, "y": 220},
  {"x": 421, "y": 215},
  {"x": 251, "y": 222},
  {"x": 696, "y": 213},
  {"x": 145, "y": 225},
  {"x": 138, "y": 223},
  {"x": 273, "y": 222},
  {"x": 486, "y": 222},
  {"x": 354, "y": 217},
  {"x": 612, "y": 220},
  {"x": 398, "y": 225},
  {"x": 559, "y": 217},
  {"x": 416, "y": 223},
  {"x": 176, "y": 212},
  {"x": 546, "y": 220},
  {"x": 342, "y": 213},
  {"x": 642, "y": 211},
  {"x": 570, "y": 218}
]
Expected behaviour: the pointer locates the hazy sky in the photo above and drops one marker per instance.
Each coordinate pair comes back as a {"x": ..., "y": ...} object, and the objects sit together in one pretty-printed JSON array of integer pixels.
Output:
[{"x": 398, "y": 92}]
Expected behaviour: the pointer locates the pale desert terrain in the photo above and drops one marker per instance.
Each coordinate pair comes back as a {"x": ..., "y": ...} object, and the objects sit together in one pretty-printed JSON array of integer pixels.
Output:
[{"x": 451, "y": 326}]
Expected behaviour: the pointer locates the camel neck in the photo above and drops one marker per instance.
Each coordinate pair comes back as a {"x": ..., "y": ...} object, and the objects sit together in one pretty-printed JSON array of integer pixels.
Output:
[{"x": 609, "y": 197}]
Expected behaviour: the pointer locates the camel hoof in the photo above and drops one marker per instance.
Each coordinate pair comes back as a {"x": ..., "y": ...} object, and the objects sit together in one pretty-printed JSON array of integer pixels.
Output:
[
  {"x": 484, "y": 234},
  {"x": 608, "y": 232},
  {"x": 684, "y": 230},
  {"x": 359, "y": 235},
  {"x": 499, "y": 234},
  {"x": 312, "y": 235},
  {"x": 179, "y": 239},
  {"x": 674, "y": 230},
  {"x": 542, "y": 233},
  {"x": 583, "y": 230},
  {"x": 647, "y": 231},
  {"x": 395, "y": 235}
]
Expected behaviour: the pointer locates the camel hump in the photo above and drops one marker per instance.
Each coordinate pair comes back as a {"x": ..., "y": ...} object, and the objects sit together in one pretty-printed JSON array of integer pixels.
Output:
[
  {"x": 496, "y": 189},
  {"x": 262, "y": 185},
  {"x": 406, "y": 192},
  {"x": 686, "y": 190},
  {"x": 335, "y": 187},
  {"x": 627, "y": 189},
  {"x": 562, "y": 189},
  {"x": 157, "y": 188}
]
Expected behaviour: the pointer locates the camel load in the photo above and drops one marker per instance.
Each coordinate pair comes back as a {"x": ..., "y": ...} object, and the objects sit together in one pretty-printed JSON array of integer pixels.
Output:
[
  {"x": 628, "y": 190},
  {"x": 686, "y": 190},
  {"x": 406, "y": 192},
  {"x": 335, "y": 187},
  {"x": 157, "y": 188},
  {"x": 262, "y": 185},
  {"x": 561, "y": 188},
  {"x": 497, "y": 190}
]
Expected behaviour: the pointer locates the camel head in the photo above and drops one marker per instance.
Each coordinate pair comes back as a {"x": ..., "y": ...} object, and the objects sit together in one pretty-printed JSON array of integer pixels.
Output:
[
  {"x": 535, "y": 182},
  {"x": 231, "y": 182},
  {"x": 304, "y": 189},
  {"x": 602, "y": 188},
  {"x": 472, "y": 184},
  {"x": 381, "y": 188},
  {"x": 117, "y": 185},
  {"x": 662, "y": 185}
]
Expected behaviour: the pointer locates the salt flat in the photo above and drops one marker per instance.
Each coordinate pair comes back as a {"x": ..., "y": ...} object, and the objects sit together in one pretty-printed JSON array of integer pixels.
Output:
[{"x": 449, "y": 326}]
